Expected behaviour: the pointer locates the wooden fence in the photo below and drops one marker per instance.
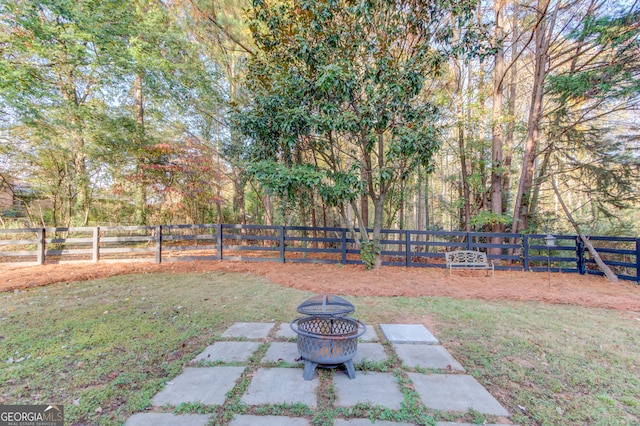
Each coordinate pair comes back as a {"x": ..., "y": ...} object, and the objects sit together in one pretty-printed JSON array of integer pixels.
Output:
[{"x": 258, "y": 243}]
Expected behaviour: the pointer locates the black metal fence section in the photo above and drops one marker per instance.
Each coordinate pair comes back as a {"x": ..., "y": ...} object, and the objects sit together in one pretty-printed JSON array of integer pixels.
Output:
[{"x": 259, "y": 243}]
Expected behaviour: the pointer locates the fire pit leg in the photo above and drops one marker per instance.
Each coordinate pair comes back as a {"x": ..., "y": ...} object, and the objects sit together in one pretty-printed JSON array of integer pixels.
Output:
[
  {"x": 309, "y": 368},
  {"x": 351, "y": 371}
]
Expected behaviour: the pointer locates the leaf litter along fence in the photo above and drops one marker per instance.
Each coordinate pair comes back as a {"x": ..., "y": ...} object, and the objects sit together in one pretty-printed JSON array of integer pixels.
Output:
[{"x": 261, "y": 243}]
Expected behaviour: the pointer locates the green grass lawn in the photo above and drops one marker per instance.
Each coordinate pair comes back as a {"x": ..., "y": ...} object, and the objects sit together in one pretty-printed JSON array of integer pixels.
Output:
[{"x": 103, "y": 348}]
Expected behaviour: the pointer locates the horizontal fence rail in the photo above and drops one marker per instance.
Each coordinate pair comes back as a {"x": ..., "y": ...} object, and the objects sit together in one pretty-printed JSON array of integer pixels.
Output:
[{"x": 261, "y": 243}]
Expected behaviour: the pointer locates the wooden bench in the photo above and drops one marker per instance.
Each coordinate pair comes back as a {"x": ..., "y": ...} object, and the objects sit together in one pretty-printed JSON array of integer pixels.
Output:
[{"x": 468, "y": 259}]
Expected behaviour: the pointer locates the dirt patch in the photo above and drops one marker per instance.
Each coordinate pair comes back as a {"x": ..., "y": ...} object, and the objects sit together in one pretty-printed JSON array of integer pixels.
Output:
[{"x": 575, "y": 289}]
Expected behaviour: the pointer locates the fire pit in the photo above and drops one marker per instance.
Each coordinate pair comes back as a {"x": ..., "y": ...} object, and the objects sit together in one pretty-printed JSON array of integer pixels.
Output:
[{"x": 325, "y": 337}]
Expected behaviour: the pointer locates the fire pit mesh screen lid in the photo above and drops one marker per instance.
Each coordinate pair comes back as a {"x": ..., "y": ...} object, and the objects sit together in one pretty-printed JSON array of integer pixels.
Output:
[
  {"x": 327, "y": 327},
  {"x": 326, "y": 305}
]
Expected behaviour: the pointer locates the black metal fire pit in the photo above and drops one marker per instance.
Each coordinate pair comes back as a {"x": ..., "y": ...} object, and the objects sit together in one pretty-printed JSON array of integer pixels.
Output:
[{"x": 326, "y": 338}]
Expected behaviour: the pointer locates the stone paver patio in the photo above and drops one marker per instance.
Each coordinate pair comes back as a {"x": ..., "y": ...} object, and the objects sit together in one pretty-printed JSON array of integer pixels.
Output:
[{"x": 277, "y": 379}]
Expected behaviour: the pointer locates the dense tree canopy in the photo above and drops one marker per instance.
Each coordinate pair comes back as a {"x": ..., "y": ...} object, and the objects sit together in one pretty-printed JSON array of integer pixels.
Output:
[
  {"x": 339, "y": 93},
  {"x": 429, "y": 115}
]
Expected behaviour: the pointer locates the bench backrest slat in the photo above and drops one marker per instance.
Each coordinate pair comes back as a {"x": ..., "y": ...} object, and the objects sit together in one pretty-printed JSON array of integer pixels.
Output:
[{"x": 466, "y": 257}]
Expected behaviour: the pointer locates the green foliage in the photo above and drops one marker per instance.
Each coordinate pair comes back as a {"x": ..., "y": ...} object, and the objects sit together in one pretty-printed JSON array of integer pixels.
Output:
[
  {"x": 489, "y": 218},
  {"x": 594, "y": 154},
  {"x": 297, "y": 180},
  {"x": 616, "y": 38},
  {"x": 337, "y": 83},
  {"x": 369, "y": 251},
  {"x": 66, "y": 74},
  {"x": 615, "y": 75}
]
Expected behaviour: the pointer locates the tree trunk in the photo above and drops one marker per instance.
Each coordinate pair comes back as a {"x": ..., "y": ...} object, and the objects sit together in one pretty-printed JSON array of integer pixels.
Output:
[
  {"x": 427, "y": 198},
  {"x": 267, "y": 209},
  {"x": 594, "y": 254},
  {"x": 401, "y": 213},
  {"x": 239, "y": 183},
  {"x": 419, "y": 204},
  {"x": 81, "y": 183},
  {"x": 78, "y": 213},
  {"x": 364, "y": 201},
  {"x": 314, "y": 222},
  {"x": 378, "y": 209},
  {"x": 141, "y": 187},
  {"x": 462, "y": 151},
  {"x": 219, "y": 188},
  {"x": 511, "y": 107},
  {"x": 496, "y": 126},
  {"x": 523, "y": 198},
  {"x": 542, "y": 172}
]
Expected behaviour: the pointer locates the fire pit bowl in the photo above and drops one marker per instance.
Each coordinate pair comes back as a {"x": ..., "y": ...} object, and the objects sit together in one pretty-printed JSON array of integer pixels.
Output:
[{"x": 327, "y": 342}]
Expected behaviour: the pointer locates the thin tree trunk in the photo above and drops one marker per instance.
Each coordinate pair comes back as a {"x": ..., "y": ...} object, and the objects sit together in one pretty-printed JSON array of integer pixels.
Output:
[
  {"x": 419, "y": 203},
  {"x": 523, "y": 198},
  {"x": 364, "y": 201},
  {"x": 496, "y": 128},
  {"x": 537, "y": 184},
  {"x": 378, "y": 200},
  {"x": 401, "y": 213},
  {"x": 462, "y": 151},
  {"x": 481, "y": 195},
  {"x": 594, "y": 254},
  {"x": 219, "y": 188},
  {"x": 81, "y": 182},
  {"x": 314, "y": 222},
  {"x": 427, "y": 210},
  {"x": 511, "y": 108},
  {"x": 141, "y": 188},
  {"x": 80, "y": 210},
  {"x": 267, "y": 209},
  {"x": 239, "y": 183}
]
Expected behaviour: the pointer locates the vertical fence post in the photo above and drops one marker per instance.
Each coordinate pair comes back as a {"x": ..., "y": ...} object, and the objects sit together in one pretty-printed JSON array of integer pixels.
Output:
[
  {"x": 525, "y": 253},
  {"x": 42, "y": 245},
  {"x": 468, "y": 241},
  {"x": 580, "y": 262},
  {"x": 638, "y": 260},
  {"x": 159, "y": 244},
  {"x": 96, "y": 244},
  {"x": 343, "y": 246},
  {"x": 407, "y": 248},
  {"x": 282, "y": 244},
  {"x": 219, "y": 240}
]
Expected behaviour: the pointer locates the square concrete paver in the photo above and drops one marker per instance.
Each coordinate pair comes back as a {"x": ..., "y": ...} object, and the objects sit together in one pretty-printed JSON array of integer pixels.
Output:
[
  {"x": 368, "y": 387},
  {"x": 455, "y": 392},
  {"x": 285, "y": 331},
  {"x": 281, "y": 386},
  {"x": 408, "y": 333},
  {"x": 228, "y": 352},
  {"x": 249, "y": 330},
  {"x": 369, "y": 335},
  {"x": 373, "y": 352},
  {"x": 247, "y": 420},
  {"x": 206, "y": 385},
  {"x": 282, "y": 352},
  {"x": 367, "y": 422},
  {"x": 426, "y": 356},
  {"x": 167, "y": 419}
]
